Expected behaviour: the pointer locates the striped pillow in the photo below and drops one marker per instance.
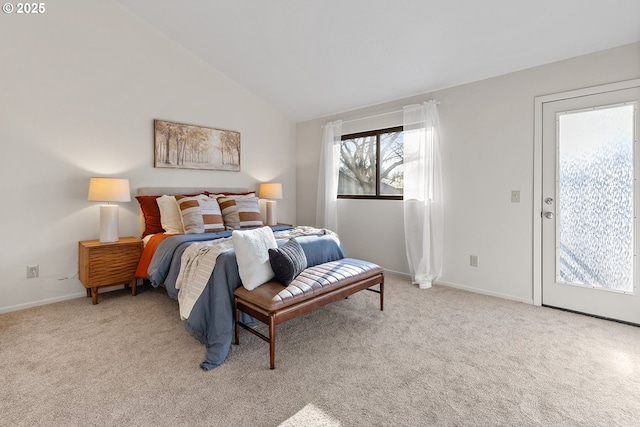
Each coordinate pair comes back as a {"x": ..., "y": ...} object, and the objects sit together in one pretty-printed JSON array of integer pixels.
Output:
[
  {"x": 240, "y": 211},
  {"x": 229, "y": 212},
  {"x": 287, "y": 261},
  {"x": 200, "y": 214}
]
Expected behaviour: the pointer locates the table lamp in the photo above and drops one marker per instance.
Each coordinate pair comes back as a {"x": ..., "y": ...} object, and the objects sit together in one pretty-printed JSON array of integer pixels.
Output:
[
  {"x": 109, "y": 190},
  {"x": 270, "y": 191}
]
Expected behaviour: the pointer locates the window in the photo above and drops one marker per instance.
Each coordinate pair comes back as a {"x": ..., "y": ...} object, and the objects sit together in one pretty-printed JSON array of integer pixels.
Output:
[{"x": 371, "y": 165}]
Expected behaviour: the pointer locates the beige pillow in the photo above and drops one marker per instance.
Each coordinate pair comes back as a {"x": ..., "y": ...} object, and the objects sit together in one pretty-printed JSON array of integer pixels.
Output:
[
  {"x": 170, "y": 217},
  {"x": 200, "y": 214}
]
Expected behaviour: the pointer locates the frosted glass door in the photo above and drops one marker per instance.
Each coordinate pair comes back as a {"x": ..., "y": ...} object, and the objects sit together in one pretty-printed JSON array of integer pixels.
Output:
[
  {"x": 590, "y": 205},
  {"x": 595, "y": 197}
]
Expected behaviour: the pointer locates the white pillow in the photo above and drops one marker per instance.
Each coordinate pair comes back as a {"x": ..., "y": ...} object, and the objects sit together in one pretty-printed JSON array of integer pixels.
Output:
[
  {"x": 170, "y": 217},
  {"x": 252, "y": 253}
]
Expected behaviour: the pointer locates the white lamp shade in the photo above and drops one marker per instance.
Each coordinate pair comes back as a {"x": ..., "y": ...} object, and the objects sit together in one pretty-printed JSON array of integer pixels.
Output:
[
  {"x": 109, "y": 190},
  {"x": 271, "y": 190}
]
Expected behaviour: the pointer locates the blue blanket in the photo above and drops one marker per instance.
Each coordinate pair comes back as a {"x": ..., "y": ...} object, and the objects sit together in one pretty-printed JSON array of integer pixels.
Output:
[{"x": 211, "y": 320}]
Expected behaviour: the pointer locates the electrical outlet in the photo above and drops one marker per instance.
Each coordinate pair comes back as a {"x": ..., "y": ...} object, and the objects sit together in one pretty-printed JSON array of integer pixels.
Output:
[
  {"x": 473, "y": 260},
  {"x": 33, "y": 271}
]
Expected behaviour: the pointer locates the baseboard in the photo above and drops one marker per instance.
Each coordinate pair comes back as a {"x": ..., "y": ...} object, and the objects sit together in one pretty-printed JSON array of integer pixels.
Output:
[
  {"x": 26, "y": 305},
  {"x": 41, "y": 302},
  {"x": 485, "y": 292},
  {"x": 468, "y": 288},
  {"x": 397, "y": 273}
]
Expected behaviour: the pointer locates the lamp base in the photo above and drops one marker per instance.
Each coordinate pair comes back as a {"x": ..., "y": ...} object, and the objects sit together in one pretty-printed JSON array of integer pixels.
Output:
[
  {"x": 108, "y": 223},
  {"x": 271, "y": 212}
]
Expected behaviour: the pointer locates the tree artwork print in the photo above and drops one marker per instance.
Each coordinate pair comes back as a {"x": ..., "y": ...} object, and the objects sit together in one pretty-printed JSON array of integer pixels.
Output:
[{"x": 195, "y": 147}]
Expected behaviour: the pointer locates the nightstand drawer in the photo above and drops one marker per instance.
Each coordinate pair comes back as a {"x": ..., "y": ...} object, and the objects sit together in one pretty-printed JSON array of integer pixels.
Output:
[{"x": 112, "y": 265}]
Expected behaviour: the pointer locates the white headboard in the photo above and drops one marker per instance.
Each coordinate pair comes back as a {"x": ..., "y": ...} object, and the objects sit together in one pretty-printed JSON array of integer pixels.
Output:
[{"x": 172, "y": 191}]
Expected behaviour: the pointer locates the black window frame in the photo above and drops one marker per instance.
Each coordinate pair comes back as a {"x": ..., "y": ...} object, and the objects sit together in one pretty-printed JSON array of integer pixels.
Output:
[{"x": 376, "y": 133}]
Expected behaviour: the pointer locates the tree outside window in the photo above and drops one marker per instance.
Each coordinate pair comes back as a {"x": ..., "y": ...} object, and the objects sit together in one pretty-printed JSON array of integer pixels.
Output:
[{"x": 371, "y": 165}]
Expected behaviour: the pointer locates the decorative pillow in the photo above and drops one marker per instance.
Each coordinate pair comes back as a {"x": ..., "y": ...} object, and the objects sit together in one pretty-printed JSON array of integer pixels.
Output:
[
  {"x": 200, "y": 214},
  {"x": 249, "y": 211},
  {"x": 240, "y": 211},
  {"x": 151, "y": 215},
  {"x": 287, "y": 261},
  {"x": 170, "y": 215},
  {"x": 252, "y": 254},
  {"x": 229, "y": 212}
]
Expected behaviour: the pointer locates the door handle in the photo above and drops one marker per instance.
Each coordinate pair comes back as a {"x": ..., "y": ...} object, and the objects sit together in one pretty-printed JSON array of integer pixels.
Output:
[{"x": 548, "y": 215}]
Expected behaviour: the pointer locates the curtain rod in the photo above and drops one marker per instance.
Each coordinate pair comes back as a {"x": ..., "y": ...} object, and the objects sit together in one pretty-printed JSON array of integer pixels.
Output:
[
  {"x": 381, "y": 114},
  {"x": 372, "y": 117}
]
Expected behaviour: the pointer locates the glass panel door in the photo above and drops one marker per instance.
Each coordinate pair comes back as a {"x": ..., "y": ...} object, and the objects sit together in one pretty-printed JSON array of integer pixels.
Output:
[{"x": 590, "y": 204}]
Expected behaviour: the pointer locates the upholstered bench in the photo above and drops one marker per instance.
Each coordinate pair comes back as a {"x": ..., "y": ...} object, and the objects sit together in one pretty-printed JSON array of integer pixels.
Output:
[{"x": 272, "y": 303}]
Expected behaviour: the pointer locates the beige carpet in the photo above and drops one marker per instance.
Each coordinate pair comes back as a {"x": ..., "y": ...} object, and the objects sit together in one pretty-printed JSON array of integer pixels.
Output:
[{"x": 433, "y": 357}]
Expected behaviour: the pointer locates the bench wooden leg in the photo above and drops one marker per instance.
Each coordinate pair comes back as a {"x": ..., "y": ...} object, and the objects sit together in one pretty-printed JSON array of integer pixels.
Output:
[
  {"x": 272, "y": 342},
  {"x": 237, "y": 316},
  {"x": 382, "y": 294}
]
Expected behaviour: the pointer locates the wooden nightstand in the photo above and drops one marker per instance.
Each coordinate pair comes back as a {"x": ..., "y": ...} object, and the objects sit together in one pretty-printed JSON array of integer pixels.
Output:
[{"x": 108, "y": 264}]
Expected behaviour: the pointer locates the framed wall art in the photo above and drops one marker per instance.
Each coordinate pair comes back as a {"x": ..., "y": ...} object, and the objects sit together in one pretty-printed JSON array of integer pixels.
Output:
[{"x": 195, "y": 147}]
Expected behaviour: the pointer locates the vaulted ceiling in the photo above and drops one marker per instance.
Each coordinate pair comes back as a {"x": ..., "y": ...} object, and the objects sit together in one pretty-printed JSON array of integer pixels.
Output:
[{"x": 311, "y": 58}]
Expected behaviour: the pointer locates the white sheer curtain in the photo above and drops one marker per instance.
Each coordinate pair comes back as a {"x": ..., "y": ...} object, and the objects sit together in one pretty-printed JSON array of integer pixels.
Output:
[
  {"x": 423, "y": 210},
  {"x": 326, "y": 208}
]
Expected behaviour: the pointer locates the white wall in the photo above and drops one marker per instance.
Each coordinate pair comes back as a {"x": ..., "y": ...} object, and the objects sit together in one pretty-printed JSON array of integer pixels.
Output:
[
  {"x": 487, "y": 150},
  {"x": 80, "y": 86}
]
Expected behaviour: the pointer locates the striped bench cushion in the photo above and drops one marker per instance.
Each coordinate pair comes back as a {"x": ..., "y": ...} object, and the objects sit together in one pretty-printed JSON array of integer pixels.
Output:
[{"x": 313, "y": 281}]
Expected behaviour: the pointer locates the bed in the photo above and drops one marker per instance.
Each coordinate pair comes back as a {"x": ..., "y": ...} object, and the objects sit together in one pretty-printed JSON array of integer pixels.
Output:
[{"x": 200, "y": 269}]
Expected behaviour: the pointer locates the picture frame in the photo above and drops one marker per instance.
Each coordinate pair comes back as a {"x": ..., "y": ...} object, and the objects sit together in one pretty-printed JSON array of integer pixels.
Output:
[{"x": 183, "y": 146}]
